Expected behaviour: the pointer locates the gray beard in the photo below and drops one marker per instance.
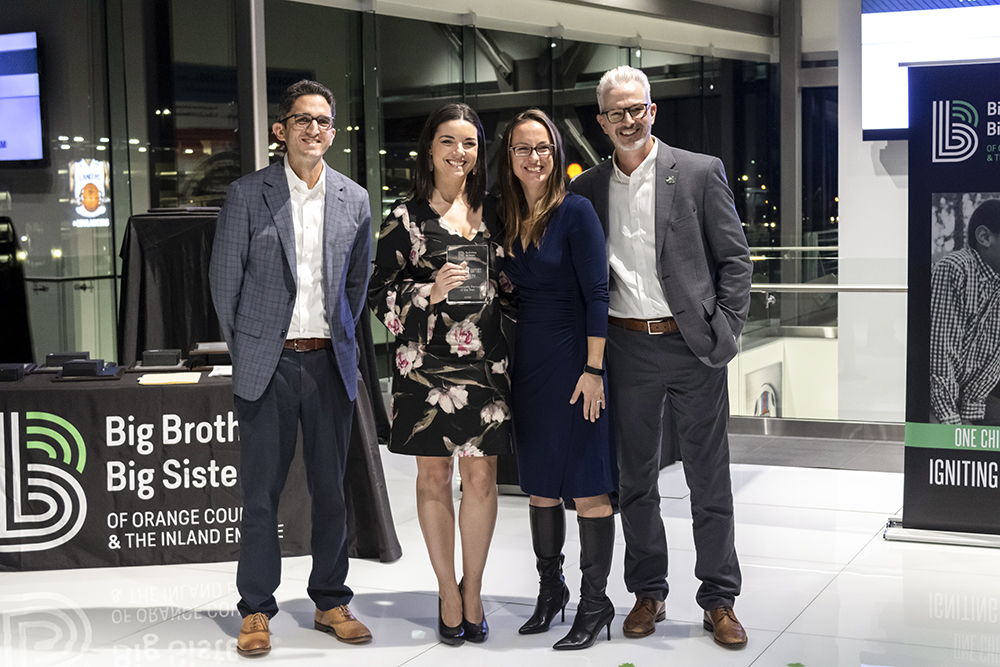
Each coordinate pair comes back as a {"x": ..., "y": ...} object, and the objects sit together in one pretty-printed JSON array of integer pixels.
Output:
[{"x": 633, "y": 146}]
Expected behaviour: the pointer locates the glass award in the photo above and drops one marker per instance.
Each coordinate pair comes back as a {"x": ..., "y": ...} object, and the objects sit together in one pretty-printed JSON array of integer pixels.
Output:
[{"x": 476, "y": 258}]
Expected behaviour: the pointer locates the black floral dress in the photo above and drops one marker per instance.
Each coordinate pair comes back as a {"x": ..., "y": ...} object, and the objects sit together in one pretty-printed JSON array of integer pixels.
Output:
[{"x": 450, "y": 387}]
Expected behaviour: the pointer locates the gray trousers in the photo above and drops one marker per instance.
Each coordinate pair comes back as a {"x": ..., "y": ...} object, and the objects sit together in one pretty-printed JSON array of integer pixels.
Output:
[{"x": 648, "y": 375}]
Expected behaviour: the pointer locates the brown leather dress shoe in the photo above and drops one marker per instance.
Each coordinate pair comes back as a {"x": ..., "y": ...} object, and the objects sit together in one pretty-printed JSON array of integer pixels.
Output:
[
  {"x": 340, "y": 623},
  {"x": 640, "y": 621},
  {"x": 725, "y": 628},
  {"x": 255, "y": 637}
]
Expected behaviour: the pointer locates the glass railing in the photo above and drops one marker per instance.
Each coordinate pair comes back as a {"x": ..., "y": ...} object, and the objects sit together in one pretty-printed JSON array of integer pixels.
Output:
[
  {"x": 815, "y": 349},
  {"x": 822, "y": 351}
]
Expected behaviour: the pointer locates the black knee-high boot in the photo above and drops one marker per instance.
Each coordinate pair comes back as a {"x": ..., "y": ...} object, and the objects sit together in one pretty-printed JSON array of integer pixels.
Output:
[
  {"x": 548, "y": 534},
  {"x": 595, "y": 611}
]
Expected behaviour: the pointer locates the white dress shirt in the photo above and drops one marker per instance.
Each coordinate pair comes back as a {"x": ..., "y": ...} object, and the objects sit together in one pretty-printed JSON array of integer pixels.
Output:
[
  {"x": 308, "y": 206},
  {"x": 635, "y": 290}
]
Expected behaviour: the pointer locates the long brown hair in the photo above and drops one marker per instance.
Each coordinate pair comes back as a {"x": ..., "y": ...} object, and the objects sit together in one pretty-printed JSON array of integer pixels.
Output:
[
  {"x": 423, "y": 180},
  {"x": 513, "y": 204}
]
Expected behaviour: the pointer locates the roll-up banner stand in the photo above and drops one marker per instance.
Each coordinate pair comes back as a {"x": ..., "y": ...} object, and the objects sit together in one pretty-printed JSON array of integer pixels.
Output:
[{"x": 952, "y": 460}]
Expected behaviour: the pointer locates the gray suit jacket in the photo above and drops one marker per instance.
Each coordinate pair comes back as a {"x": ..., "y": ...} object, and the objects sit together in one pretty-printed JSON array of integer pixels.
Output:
[
  {"x": 253, "y": 273},
  {"x": 702, "y": 259}
]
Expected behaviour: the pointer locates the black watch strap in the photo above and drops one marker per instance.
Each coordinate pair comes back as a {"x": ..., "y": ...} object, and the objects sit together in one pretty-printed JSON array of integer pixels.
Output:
[{"x": 593, "y": 371}]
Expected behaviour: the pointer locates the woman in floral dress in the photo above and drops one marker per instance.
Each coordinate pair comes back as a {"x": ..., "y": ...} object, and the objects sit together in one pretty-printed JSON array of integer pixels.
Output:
[{"x": 450, "y": 389}]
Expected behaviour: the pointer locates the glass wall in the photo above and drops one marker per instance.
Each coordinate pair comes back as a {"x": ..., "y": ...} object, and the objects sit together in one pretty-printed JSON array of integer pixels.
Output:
[
  {"x": 139, "y": 111},
  {"x": 334, "y": 61},
  {"x": 722, "y": 107},
  {"x": 717, "y": 106},
  {"x": 181, "y": 113},
  {"x": 61, "y": 209},
  {"x": 148, "y": 91},
  {"x": 194, "y": 150}
]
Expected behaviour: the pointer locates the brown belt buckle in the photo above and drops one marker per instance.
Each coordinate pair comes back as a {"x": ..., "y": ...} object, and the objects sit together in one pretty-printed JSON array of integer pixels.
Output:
[
  {"x": 649, "y": 328},
  {"x": 304, "y": 342}
]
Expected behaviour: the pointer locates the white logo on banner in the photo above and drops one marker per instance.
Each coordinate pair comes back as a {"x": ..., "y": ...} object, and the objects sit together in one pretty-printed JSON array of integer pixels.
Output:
[
  {"x": 43, "y": 629},
  {"x": 954, "y": 137},
  {"x": 45, "y": 504}
]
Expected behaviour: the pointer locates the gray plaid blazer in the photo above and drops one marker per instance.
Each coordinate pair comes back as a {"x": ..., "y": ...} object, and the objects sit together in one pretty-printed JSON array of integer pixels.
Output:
[
  {"x": 702, "y": 258},
  {"x": 253, "y": 275}
]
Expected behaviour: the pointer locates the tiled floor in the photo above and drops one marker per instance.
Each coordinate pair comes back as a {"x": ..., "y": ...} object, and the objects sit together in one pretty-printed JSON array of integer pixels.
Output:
[{"x": 821, "y": 589}]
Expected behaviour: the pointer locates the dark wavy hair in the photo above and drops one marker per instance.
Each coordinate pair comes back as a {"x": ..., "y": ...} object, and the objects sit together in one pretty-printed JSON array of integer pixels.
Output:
[
  {"x": 986, "y": 215},
  {"x": 300, "y": 89},
  {"x": 423, "y": 180},
  {"x": 513, "y": 204}
]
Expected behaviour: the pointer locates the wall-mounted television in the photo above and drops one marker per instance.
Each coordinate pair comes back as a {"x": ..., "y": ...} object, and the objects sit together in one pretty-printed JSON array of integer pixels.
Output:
[
  {"x": 21, "y": 138},
  {"x": 895, "y": 33}
]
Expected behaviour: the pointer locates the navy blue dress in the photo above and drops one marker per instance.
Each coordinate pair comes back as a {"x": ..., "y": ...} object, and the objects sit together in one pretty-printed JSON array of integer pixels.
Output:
[{"x": 562, "y": 299}]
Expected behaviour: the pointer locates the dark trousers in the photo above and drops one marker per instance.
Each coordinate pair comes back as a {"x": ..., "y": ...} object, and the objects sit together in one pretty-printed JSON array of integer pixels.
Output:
[
  {"x": 648, "y": 374},
  {"x": 306, "y": 387}
]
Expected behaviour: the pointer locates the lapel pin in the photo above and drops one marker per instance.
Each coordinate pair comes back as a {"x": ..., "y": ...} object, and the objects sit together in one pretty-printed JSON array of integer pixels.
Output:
[{"x": 671, "y": 179}]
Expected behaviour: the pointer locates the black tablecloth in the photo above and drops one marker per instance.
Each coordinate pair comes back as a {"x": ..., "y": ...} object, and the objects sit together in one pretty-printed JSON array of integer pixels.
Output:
[
  {"x": 105, "y": 473},
  {"x": 15, "y": 333},
  {"x": 165, "y": 298}
]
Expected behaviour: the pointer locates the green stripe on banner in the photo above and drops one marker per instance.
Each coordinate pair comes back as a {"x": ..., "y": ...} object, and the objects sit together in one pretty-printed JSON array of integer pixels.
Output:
[{"x": 950, "y": 436}]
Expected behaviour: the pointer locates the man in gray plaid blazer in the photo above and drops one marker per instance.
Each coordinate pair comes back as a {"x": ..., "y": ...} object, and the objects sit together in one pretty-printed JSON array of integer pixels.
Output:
[{"x": 288, "y": 273}]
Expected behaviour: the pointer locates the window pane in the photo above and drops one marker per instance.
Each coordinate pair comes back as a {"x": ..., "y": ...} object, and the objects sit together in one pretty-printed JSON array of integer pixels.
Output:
[
  {"x": 191, "y": 114},
  {"x": 60, "y": 211},
  {"x": 334, "y": 60}
]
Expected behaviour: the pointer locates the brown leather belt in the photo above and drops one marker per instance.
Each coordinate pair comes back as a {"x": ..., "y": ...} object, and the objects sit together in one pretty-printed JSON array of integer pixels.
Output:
[
  {"x": 307, "y": 344},
  {"x": 652, "y": 327}
]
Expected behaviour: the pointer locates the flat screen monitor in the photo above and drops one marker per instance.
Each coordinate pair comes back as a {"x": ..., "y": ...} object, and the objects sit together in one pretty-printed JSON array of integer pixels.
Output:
[
  {"x": 895, "y": 33},
  {"x": 21, "y": 140}
]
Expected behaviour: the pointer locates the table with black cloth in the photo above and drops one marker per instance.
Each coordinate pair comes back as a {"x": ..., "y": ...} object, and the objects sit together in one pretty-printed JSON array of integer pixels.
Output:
[
  {"x": 166, "y": 302},
  {"x": 109, "y": 472}
]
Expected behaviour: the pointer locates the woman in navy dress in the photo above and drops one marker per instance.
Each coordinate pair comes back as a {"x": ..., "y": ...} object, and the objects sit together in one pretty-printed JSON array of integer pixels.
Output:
[{"x": 556, "y": 260}]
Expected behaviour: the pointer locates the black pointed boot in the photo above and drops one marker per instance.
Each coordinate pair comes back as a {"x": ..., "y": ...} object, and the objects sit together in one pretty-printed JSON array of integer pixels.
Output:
[
  {"x": 595, "y": 611},
  {"x": 548, "y": 534}
]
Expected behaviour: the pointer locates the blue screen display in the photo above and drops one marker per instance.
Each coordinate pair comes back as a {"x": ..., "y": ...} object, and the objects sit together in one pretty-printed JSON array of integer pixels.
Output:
[{"x": 20, "y": 106}]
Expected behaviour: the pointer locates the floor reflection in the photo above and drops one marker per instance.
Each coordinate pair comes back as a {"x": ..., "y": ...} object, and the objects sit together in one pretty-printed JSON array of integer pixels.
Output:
[{"x": 821, "y": 588}]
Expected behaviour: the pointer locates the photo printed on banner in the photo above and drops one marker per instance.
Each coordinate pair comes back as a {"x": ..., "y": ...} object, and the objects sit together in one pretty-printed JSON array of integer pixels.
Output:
[{"x": 965, "y": 308}]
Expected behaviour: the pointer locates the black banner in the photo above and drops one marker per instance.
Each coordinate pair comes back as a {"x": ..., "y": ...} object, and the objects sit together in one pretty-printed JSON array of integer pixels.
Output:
[
  {"x": 111, "y": 473},
  {"x": 952, "y": 468}
]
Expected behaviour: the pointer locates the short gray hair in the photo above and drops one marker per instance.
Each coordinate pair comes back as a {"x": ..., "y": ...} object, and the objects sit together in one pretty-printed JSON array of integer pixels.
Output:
[{"x": 620, "y": 76}]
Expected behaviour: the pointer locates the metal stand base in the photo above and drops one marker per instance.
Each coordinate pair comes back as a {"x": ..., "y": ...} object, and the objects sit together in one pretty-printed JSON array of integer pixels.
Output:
[{"x": 895, "y": 532}]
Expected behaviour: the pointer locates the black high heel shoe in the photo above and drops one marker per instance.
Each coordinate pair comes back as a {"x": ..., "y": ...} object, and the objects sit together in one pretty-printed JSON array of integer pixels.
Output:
[
  {"x": 474, "y": 632},
  {"x": 595, "y": 611},
  {"x": 453, "y": 636},
  {"x": 548, "y": 533},
  {"x": 587, "y": 626},
  {"x": 550, "y": 602}
]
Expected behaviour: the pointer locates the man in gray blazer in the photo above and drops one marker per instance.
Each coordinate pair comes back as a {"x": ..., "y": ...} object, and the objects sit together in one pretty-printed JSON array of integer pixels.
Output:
[
  {"x": 680, "y": 291},
  {"x": 289, "y": 272}
]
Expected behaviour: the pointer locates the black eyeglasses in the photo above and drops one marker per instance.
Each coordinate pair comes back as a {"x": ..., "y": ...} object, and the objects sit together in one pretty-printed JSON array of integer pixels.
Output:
[
  {"x": 542, "y": 150},
  {"x": 618, "y": 115},
  {"x": 304, "y": 120}
]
